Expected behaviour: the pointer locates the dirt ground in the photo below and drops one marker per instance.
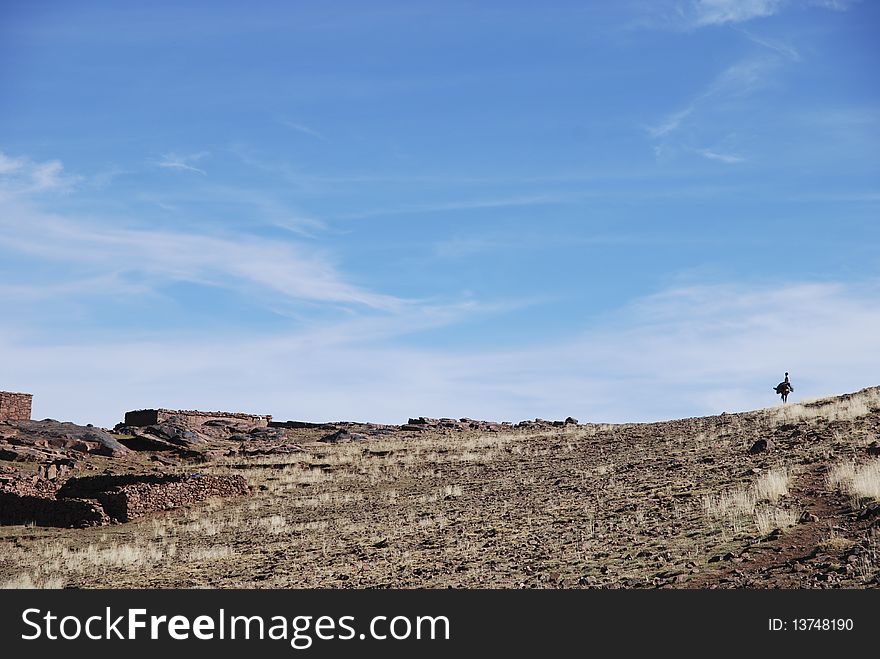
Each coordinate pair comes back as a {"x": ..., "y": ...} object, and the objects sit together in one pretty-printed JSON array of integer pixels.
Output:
[{"x": 681, "y": 504}]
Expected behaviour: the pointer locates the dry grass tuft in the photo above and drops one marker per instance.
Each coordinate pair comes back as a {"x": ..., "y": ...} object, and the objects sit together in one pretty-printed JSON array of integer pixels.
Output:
[
  {"x": 742, "y": 507},
  {"x": 772, "y": 485},
  {"x": 860, "y": 482},
  {"x": 768, "y": 518}
]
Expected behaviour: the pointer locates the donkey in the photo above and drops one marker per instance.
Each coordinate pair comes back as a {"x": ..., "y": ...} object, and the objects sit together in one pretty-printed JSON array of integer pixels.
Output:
[{"x": 783, "y": 389}]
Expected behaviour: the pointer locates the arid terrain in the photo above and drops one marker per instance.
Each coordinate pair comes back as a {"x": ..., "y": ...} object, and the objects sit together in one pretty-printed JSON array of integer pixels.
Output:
[{"x": 781, "y": 497}]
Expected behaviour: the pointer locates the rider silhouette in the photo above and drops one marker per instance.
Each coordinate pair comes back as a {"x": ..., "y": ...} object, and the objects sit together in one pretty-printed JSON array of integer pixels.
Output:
[{"x": 784, "y": 388}]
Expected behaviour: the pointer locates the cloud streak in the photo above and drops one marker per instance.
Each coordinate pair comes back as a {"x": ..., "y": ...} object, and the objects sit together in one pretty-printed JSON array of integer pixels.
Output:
[
  {"x": 23, "y": 176},
  {"x": 305, "y": 130},
  {"x": 182, "y": 163},
  {"x": 284, "y": 270},
  {"x": 720, "y": 12},
  {"x": 737, "y": 81},
  {"x": 727, "y": 158},
  {"x": 699, "y": 14}
]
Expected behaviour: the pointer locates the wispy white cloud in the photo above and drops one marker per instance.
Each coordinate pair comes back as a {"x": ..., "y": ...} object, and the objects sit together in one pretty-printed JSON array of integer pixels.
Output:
[
  {"x": 738, "y": 80},
  {"x": 182, "y": 163},
  {"x": 776, "y": 45},
  {"x": 9, "y": 165},
  {"x": 719, "y": 12},
  {"x": 697, "y": 14},
  {"x": 836, "y": 5},
  {"x": 727, "y": 158},
  {"x": 272, "y": 267},
  {"x": 671, "y": 122},
  {"x": 23, "y": 176},
  {"x": 305, "y": 130},
  {"x": 741, "y": 78}
]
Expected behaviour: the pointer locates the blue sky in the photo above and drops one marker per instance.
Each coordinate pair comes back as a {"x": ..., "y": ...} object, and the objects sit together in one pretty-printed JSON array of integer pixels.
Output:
[{"x": 618, "y": 211}]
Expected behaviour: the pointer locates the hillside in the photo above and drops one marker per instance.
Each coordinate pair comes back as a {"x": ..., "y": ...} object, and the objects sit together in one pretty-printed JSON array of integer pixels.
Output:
[{"x": 782, "y": 497}]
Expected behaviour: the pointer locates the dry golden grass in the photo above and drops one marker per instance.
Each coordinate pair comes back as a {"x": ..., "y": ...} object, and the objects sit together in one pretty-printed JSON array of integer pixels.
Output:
[
  {"x": 832, "y": 409},
  {"x": 748, "y": 507},
  {"x": 772, "y": 485},
  {"x": 860, "y": 482},
  {"x": 769, "y": 518}
]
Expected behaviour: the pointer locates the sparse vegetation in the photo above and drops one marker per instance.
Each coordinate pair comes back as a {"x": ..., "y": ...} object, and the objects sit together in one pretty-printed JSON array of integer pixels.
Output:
[
  {"x": 844, "y": 408},
  {"x": 742, "y": 506},
  {"x": 631, "y": 504},
  {"x": 860, "y": 482}
]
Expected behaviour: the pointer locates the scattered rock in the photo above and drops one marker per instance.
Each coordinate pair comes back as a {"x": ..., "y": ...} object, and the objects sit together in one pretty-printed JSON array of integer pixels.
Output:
[
  {"x": 807, "y": 517},
  {"x": 175, "y": 431},
  {"x": 55, "y": 470},
  {"x": 343, "y": 436},
  {"x": 21, "y": 454},
  {"x": 299, "y": 425}
]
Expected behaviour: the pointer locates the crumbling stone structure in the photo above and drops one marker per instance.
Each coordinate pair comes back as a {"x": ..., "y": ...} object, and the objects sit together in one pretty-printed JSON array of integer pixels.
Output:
[
  {"x": 99, "y": 500},
  {"x": 18, "y": 508},
  {"x": 15, "y": 406},
  {"x": 192, "y": 418},
  {"x": 125, "y": 498}
]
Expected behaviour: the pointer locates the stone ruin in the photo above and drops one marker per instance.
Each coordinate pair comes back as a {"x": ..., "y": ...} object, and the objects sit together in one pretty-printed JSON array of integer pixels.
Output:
[
  {"x": 15, "y": 406},
  {"x": 98, "y": 500},
  {"x": 423, "y": 423},
  {"x": 193, "y": 418}
]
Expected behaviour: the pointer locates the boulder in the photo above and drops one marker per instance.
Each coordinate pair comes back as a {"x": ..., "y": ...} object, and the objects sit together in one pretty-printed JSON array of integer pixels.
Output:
[
  {"x": 175, "y": 431},
  {"x": 761, "y": 446}
]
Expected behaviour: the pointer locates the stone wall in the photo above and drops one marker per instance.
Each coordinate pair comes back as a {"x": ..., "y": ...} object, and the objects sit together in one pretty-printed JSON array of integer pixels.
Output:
[
  {"x": 98, "y": 500},
  {"x": 18, "y": 508},
  {"x": 192, "y": 417},
  {"x": 15, "y": 407},
  {"x": 125, "y": 498}
]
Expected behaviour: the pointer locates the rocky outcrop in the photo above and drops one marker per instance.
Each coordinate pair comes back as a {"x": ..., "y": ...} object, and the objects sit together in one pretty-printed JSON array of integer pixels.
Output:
[
  {"x": 344, "y": 436},
  {"x": 49, "y": 434},
  {"x": 423, "y": 423}
]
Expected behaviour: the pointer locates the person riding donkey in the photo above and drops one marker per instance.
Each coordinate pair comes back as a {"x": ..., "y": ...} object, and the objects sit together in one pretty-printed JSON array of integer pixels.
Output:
[{"x": 784, "y": 388}]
